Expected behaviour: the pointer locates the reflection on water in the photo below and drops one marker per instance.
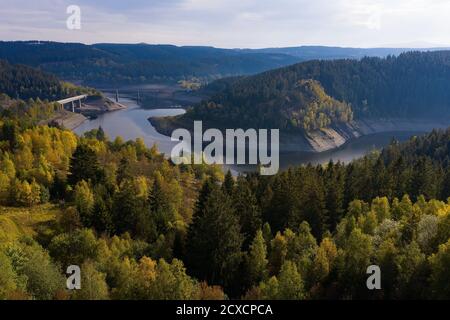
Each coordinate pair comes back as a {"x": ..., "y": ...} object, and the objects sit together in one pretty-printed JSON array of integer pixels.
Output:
[
  {"x": 133, "y": 123},
  {"x": 354, "y": 149}
]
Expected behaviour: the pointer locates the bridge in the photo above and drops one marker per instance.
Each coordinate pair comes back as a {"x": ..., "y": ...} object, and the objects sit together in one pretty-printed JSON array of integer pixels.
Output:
[{"x": 72, "y": 100}]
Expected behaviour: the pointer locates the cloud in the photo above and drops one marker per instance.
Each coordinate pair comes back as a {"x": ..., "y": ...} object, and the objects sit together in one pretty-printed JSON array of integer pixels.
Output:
[{"x": 232, "y": 23}]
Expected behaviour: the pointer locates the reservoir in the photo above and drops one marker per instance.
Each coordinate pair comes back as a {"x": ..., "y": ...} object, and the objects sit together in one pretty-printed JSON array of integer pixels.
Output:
[{"x": 132, "y": 123}]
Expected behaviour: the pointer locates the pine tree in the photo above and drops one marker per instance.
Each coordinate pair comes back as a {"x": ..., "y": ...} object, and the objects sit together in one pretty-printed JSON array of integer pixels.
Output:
[
  {"x": 335, "y": 184},
  {"x": 127, "y": 210},
  {"x": 425, "y": 181},
  {"x": 313, "y": 207},
  {"x": 84, "y": 166},
  {"x": 101, "y": 215},
  {"x": 214, "y": 242},
  {"x": 228, "y": 183},
  {"x": 124, "y": 171},
  {"x": 267, "y": 233},
  {"x": 162, "y": 212}
]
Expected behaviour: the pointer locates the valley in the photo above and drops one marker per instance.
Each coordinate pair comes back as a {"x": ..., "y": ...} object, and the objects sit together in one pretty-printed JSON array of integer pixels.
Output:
[{"x": 364, "y": 179}]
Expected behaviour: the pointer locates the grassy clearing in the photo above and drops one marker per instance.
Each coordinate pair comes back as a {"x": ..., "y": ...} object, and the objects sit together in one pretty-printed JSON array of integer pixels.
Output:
[{"x": 18, "y": 222}]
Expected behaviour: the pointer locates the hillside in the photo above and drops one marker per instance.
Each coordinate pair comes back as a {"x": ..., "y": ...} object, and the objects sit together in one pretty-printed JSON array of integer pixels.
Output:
[
  {"x": 412, "y": 85},
  {"x": 329, "y": 53},
  {"x": 24, "y": 82},
  {"x": 138, "y": 63},
  {"x": 20, "y": 222},
  {"x": 326, "y": 103},
  {"x": 143, "y": 63},
  {"x": 304, "y": 106},
  {"x": 141, "y": 227}
]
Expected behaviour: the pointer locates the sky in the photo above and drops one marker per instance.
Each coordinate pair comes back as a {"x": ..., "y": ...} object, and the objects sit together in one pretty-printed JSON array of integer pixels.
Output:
[{"x": 233, "y": 23}]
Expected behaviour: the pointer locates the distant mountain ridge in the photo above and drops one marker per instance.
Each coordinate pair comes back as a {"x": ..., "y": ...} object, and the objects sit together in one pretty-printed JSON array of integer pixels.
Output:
[
  {"x": 138, "y": 63},
  {"x": 328, "y": 102},
  {"x": 145, "y": 63},
  {"x": 328, "y": 53}
]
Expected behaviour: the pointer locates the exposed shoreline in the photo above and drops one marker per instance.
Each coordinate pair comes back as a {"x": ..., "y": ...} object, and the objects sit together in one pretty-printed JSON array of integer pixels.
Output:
[
  {"x": 330, "y": 138},
  {"x": 66, "y": 119},
  {"x": 93, "y": 108}
]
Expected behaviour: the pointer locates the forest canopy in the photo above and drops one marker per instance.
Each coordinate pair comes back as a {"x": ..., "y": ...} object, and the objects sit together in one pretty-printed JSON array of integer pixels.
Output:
[
  {"x": 23, "y": 82},
  {"x": 412, "y": 85},
  {"x": 138, "y": 225},
  {"x": 141, "y": 227}
]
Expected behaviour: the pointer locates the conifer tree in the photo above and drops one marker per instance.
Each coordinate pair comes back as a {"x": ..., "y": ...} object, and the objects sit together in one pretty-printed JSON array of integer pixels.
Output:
[
  {"x": 214, "y": 241},
  {"x": 246, "y": 208},
  {"x": 84, "y": 166},
  {"x": 257, "y": 259}
]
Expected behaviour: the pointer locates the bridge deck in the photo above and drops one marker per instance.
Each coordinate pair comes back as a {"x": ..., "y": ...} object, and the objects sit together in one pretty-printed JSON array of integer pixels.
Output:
[{"x": 64, "y": 101}]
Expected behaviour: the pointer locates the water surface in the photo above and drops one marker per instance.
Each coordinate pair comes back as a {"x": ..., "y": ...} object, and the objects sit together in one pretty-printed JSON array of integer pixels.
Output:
[{"x": 133, "y": 123}]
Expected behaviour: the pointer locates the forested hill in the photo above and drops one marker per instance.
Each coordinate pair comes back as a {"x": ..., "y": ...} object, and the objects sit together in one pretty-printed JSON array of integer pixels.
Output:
[
  {"x": 412, "y": 85},
  {"x": 329, "y": 53},
  {"x": 142, "y": 228},
  {"x": 138, "y": 63},
  {"x": 305, "y": 106},
  {"x": 19, "y": 81}
]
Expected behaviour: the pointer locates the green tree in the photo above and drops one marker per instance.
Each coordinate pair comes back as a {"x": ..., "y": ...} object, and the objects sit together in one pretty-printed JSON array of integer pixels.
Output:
[
  {"x": 353, "y": 263},
  {"x": 172, "y": 282},
  {"x": 93, "y": 284},
  {"x": 246, "y": 207},
  {"x": 214, "y": 242},
  {"x": 74, "y": 248},
  {"x": 84, "y": 202},
  {"x": 163, "y": 211},
  {"x": 128, "y": 212},
  {"x": 381, "y": 208},
  {"x": 335, "y": 185},
  {"x": 278, "y": 253},
  {"x": 8, "y": 277},
  {"x": 440, "y": 276},
  {"x": 44, "y": 278},
  {"x": 101, "y": 215},
  {"x": 124, "y": 172},
  {"x": 324, "y": 261},
  {"x": 257, "y": 259},
  {"x": 290, "y": 282},
  {"x": 84, "y": 166},
  {"x": 228, "y": 183}
]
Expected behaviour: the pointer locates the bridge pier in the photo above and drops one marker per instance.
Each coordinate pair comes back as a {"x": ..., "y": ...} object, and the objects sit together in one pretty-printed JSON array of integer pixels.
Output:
[{"x": 72, "y": 101}]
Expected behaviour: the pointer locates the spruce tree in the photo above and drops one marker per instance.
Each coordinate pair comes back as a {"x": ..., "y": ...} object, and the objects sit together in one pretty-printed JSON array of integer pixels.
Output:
[
  {"x": 246, "y": 208},
  {"x": 257, "y": 259},
  {"x": 228, "y": 183},
  {"x": 84, "y": 166},
  {"x": 214, "y": 242}
]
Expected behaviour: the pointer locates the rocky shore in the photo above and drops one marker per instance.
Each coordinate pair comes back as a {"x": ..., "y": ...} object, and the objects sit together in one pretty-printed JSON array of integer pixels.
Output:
[{"x": 66, "y": 119}]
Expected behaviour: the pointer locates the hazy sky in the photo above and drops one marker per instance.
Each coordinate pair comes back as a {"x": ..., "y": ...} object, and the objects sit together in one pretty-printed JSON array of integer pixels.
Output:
[{"x": 233, "y": 23}]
